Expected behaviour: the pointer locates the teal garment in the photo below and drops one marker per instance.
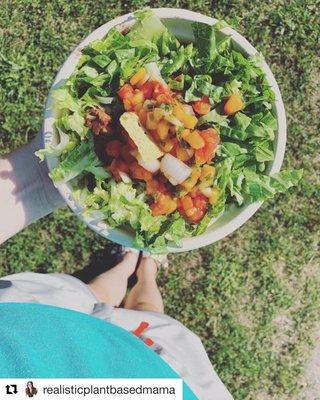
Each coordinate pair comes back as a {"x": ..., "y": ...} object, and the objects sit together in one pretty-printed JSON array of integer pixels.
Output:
[{"x": 39, "y": 341}]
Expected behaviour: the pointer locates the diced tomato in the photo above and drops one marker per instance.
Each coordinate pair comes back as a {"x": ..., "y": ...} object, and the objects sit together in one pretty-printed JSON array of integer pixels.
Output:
[
  {"x": 127, "y": 104},
  {"x": 122, "y": 166},
  {"x": 186, "y": 202},
  {"x": 165, "y": 98},
  {"x": 116, "y": 166},
  {"x": 158, "y": 88},
  {"x": 126, "y": 91},
  {"x": 162, "y": 94},
  {"x": 202, "y": 106},
  {"x": 205, "y": 154},
  {"x": 125, "y": 153},
  {"x": 114, "y": 170},
  {"x": 154, "y": 135},
  {"x": 155, "y": 187},
  {"x": 210, "y": 136},
  {"x": 147, "y": 89},
  {"x": 175, "y": 146},
  {"x": 113, "y": 148},
  {"x": 143, "y": 116},
  {"x": 128, "y": 139},
  {"x": 200, "y": 202},
  {"x": 137, "y": 108},
  {"x": 193, "y": 207},
  {"x": 194, "y": 192},
  {"x": 132, "y": 144},
  {"x": 138, "y": 172},
  {"x": 196, "y": 215}
]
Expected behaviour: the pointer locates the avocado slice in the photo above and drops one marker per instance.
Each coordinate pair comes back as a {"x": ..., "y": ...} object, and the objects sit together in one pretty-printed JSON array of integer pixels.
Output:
[{"x": 148, "y": 150}]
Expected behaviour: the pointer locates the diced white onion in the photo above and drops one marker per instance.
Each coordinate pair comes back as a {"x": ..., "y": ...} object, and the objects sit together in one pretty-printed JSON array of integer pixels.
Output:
[
  {"x": 152, "y": 166},
  {"x": 174, "y": 169},
  {"x": 155, "y": 74},
  {"x": 125, "y": 177},
  {"x": 188, "y": 109},
  {"x": 206, "y": 191}
]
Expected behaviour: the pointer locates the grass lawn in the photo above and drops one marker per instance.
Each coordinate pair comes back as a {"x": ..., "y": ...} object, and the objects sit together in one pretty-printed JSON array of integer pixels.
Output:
[{"x": 254, "y": 297}]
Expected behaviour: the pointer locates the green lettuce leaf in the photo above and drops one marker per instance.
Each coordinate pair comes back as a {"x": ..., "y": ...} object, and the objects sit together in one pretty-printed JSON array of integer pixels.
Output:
[
  {"x": 148, "y": 27},
  {"x": 205, "y": 38},
  {"x": 78, "y": 160},
  {"x": 214, "y": 118},
  {"x": 176, "y": 61},
  {"x": 262, "y": 187}
]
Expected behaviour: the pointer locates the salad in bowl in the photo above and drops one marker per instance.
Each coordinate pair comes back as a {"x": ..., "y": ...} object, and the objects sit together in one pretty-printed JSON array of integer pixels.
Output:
[{"x": 160, "y": 137}]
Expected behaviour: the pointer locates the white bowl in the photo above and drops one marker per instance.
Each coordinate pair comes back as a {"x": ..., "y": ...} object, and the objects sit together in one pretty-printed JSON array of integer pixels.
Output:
[{"x": 179, "y": 22}]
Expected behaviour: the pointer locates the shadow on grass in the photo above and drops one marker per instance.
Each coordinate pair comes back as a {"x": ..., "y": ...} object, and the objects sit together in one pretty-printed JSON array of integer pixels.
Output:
[{"x": 101, "y": 261}]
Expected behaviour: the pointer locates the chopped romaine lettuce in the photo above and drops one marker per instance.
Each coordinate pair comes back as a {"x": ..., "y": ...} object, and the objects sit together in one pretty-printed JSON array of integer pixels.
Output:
[{"x": 81, "y": 158}]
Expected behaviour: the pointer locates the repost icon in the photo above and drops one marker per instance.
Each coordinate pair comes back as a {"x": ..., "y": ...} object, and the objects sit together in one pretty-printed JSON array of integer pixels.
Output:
[{"x": 11, "y": 389}]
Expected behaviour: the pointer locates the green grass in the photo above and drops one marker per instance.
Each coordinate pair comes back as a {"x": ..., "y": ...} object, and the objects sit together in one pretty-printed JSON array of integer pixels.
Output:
[{"x": 254, "y": 297}]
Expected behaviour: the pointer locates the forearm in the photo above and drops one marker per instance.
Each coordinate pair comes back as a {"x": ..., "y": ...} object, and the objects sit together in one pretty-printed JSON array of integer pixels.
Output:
[{"x": 26, "y": 191}]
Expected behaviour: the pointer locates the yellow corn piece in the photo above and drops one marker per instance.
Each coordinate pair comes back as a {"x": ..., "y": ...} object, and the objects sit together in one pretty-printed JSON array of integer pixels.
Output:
[
  {"x": 151, "y": 123},
  {"x": 138, "y": 76},
  {"x": 189, "y": 121},
  {"x": 213, "y": 199},
  {"x": 190, "y": 182},
  {"x": 178, "y": 110},
  {"x": 195, "y": 140},
  {"x": 207, "y": 171},
  {"x": 166, "y": 146},
  {"x": 182, "y": 154},
  {"x": 158, "y": 114},
  {"x": 163, "y": 129},
  {"x": 137, "y": 98}
]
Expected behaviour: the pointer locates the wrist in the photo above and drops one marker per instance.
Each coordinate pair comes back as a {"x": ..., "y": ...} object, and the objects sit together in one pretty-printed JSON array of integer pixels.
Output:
[{"x": 49, "y": 194}]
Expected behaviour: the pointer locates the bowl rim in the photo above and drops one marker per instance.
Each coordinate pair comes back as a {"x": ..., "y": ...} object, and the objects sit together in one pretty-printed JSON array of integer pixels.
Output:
[{"x": 116, "y": 234}]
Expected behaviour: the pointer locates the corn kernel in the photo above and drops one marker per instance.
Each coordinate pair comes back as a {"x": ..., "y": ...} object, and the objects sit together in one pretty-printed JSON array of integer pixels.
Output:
[
  {"x": 195, "y": 140},
  {"x": 183, "y": 154},
  {"x": 190, "y": 182},
  {"x": 138, "y": 76},
  {"x": 163, "y": 129},
  {"x": 158, "y": 114},
  {"x": 213, "y": 199},
  {"x": 189, "y": 121},
  {"x": 151, "y": 123},
  {"x": 166, "y": 146},
  {"x": 137, "y": 98}
]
